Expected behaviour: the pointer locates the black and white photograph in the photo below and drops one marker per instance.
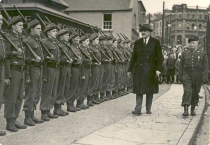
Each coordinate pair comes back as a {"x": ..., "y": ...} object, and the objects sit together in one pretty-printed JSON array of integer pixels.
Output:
[{"x": 104, "y": 72}]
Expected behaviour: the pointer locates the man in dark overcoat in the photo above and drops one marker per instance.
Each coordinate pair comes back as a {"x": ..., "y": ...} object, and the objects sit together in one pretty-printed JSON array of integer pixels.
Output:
[{"x": 145, "y": 65}]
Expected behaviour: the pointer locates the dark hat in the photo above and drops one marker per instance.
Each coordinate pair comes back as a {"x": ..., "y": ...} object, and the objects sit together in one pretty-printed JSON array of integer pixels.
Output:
[
  {"x": 119, "y": 40},
  {"x": 145, "y": 27},
  {"x": 15, "y": 20},
  {"x": 109, "y": 37},
  {"x": 102, "y": 38},
  {"x": 127, "y": 41},
  {"x": 33, "y": 23},
  {"x": 93, "y": 36},
  {"x": 72, "y": 36},
  {"x": 193, "y": 38},
  {"x": 62, "y": 32},
  {"x": 83, "y": 38},
  {"x": 50, "y": 27}
]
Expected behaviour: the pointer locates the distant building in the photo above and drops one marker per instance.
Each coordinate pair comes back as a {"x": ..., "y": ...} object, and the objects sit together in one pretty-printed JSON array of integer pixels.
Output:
[
  {"x": 156, "y": 25},
  {"x": 180, "y": 23},
  {"x": 117, "y": 16}
]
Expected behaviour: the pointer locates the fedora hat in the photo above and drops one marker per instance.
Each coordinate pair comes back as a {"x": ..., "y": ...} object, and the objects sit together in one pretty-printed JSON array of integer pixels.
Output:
[{"x": 146, "y": 27}]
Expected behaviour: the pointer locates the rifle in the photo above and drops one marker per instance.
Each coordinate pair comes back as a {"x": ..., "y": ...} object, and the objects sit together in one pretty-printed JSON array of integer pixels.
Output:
[
  {"x": 111, "y": 33},
  {"x": 118, "y": 35},
  {"x": 122, "y": 36},
  {"x": 98, "y": 62},
  {"x": 91, "y": 28}
]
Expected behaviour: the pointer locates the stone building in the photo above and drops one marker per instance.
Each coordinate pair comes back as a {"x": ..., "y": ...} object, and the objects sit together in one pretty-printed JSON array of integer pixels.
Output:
[{"x": 117, "y": 16}]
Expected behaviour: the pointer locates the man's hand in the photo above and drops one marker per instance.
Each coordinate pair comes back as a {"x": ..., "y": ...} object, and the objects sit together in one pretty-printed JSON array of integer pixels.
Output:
[
  {"x": 7, "y": 82},
  {"x": 158, "y": 73},
  {"x": 28, "y": 81},
  {"x": 44, "y": 80},
  {"x": 83, "y": 77},
  {"x": 129, "y": 74}
]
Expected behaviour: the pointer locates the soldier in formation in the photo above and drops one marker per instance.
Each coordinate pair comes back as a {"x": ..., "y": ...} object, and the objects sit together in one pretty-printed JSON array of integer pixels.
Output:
[{"x": 55, "y": 67}]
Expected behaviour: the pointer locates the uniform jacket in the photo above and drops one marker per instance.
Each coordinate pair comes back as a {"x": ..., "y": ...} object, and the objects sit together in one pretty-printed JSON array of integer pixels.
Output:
[
  {"x": 64, "y": 46},
  {"x": 145, "y": 61},
  {"x": 194, "y": 62}
]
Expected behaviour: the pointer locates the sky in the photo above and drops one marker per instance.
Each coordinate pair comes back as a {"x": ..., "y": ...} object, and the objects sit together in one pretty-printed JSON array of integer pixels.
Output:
[{"x": 153, "y": 6}]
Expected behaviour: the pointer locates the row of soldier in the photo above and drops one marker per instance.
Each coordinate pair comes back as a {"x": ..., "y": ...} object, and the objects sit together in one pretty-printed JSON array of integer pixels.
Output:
[{"x": 62, "y": 68}]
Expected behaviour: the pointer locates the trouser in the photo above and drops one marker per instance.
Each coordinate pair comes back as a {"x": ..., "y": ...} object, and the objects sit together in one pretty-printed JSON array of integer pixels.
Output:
[
  {"x": 2, "y": 77},
  {"x": 74, "y": 83},
  {"x": 139, "y": 100},
  {"x": 33, "y": 89},
  {"x": 170, "y": 74},
  {"x": 120, "y": 76},
  {"x": 192, "y": 81},
  {"x": 63, "y": 84},
  {"x": 84, "y": 84},
  {"x": 94, "y": 80},
  {"x": 14, "y": 94},
  {"x": 101, "y": 76},
  {"x": 49, "y": 91},
  {"x": 106, "y": 77},
  {"x": 112, "y": 75},
  {"x": 96, "y": 89}
]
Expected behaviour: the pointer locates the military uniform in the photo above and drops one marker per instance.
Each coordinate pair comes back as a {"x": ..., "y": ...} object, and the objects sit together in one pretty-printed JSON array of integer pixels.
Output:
[
  {"x": 193, "y": 71},
  {"x": 15, "y": 71},
  {"x": 50, "y": 76}
]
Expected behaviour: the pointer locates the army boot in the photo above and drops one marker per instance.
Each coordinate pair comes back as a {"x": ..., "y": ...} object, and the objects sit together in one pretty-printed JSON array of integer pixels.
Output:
[
  {"x": 10, "y": 125},
  {"x": 89, "y": 101},
  {"x": 44, "y": 115},
  {"x": 50, "y": 115},
  {"x": 94, "y": 101},
  {"x": 87, "y": 107},
  {"x": 57, "y": 110},
  {"x": 108, "y": 95},
  {"x": 185, "y": 111},
  {"x": 70, "y": 107},
  {"x": 2, "y": 133},
  {"x": 36, "y": 120},
  {"x": 97, "y": 98},
  {"x": 80, "y": 105},
  {"x": 28, "y": 121},
  {"x": 193, "y": 110},
  {"x": 18, "y": 125},
  {"x": 65, "y": 112}
]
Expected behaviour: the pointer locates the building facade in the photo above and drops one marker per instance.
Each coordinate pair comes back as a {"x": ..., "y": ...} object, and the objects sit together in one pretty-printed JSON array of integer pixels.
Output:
[{"x": 117, "y": 16}]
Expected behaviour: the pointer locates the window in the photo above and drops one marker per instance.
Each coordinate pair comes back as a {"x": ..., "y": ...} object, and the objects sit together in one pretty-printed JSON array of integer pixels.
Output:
[
  {"x": 200, "y": 16},
  {"x": 107, "y": 21},
  {"x": 188, "y": 15},
  {"x": 193, "y": 16},
  {"x": 205, "y": 17},
  {"x": 200, "y": 26}
]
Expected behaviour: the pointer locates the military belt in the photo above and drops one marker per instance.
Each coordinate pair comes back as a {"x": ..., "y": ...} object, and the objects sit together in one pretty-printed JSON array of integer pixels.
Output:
[
  {"x": 75, "y": 65},
  {"x": 18, "y": 67},
  {"x": 53, "y": 65},
  {"x": 37, "y": 64}
]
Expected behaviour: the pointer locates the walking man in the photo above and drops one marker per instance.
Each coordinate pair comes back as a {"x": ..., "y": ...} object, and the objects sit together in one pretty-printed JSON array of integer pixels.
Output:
[{"x": 146, "y": 63}]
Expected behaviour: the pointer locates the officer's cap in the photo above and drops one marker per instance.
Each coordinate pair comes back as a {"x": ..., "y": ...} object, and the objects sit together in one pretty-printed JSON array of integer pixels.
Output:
[
  {"x": 83, "y": 38},
  {"x": 50, "y": 27},
  {"x": 119, "y": 40},
  {"x": 109, "y": 37},
  {"x": 62, "y": 32},
  {"x": 33, "y": 23},
  {"x": 102, "y": 38},
  {"x": 15, "y": 20},
  {"x": 193, "y": 38},
  {"x": 93, "y": 36},
  {"x": 126, "y": 41}
]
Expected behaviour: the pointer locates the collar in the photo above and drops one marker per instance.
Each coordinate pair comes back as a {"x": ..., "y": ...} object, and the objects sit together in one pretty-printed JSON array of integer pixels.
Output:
[
  {"x": 34, "y": 37},
  {"x": 16, "y": 35}
]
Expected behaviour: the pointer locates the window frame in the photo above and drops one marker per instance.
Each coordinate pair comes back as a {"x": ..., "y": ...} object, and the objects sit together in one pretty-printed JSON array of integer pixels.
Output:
[{"x": 106, "y": 21}]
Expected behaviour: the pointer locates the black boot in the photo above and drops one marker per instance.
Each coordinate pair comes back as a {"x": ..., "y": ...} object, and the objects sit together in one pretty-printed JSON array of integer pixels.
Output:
[
  {"x": 108, "y": 95},
  {"x": 94, "y": 100},
  {"x": 70, "y": 107},
  {"x": 28, "y": 121},
  {"x": 97, "y": 98},
  {"x": 89, "y": 101},
  {"x": 65, "y": 112},
  {"x": 2, "y": 133},
  {"x": 185, "y": 111},
  {"x": 10, "y": 125},
  {"x": 36, "y": 120},
  {"x": 87, "y": 107},
  {"x": 50, "y": 115},
  {"x": 58, "y": 111},
  {"x": 44, "y": 115},
  {"x": 80, "y": 105},
  {"x": 18, "y": 125},
  {"x": 193, "y": 110}
]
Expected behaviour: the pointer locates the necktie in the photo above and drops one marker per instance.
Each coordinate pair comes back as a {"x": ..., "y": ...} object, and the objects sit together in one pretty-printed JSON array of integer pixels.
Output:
[{"x": 145, "y": 42}]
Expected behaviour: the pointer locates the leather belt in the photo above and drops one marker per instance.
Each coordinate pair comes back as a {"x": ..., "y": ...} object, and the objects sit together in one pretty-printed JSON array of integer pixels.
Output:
[
  {"x": 18, "y": 67},
  {"x": 75, "y": 65},
  {"x": 53, "y": 65},
  {"x": 37, "y": 64}
]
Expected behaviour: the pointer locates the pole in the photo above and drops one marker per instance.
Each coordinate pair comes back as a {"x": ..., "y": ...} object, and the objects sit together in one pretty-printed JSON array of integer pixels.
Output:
[{"x": 163, "y": 23}]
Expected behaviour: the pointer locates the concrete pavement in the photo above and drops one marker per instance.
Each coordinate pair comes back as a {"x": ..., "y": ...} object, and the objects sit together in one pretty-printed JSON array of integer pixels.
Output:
[{"x": 164, "y": 126}]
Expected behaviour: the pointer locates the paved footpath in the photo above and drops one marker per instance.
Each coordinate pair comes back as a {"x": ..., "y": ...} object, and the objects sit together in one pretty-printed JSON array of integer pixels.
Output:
[{"x": 164, "y": 126}]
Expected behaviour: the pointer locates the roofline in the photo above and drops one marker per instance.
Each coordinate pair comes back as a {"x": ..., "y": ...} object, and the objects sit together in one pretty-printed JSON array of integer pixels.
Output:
[
  {"x": 142, "y": 5},
  {"x": 42, "y": 8},
  {"x": 64, "y": 4},
  {"x": 96, "y": 10}
]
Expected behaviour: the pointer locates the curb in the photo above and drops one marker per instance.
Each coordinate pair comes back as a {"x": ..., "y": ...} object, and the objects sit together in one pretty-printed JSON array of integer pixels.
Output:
[{"x": 192, "y": 129}]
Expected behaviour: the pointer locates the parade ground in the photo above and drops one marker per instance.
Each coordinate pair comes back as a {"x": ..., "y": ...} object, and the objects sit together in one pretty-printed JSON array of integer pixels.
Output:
[{"x": 111, "y": 123}]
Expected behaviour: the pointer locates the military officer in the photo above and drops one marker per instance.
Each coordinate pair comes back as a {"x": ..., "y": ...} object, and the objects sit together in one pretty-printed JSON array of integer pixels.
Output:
[
  {"x": 193, "y": 71},
  {"x": 85, "y": 72},
  {"x": 75, "y": 73},
  {"x": 65, "y": 72},
  {"x": 50, "y": 73},
  {"x": 33, "y": 73},
  {"x": 14, "y": 75}
]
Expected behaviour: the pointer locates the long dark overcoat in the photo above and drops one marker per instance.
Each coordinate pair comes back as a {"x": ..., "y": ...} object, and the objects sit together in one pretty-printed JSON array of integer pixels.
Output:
[{"x": 144, "y": 63}]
